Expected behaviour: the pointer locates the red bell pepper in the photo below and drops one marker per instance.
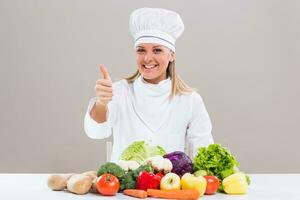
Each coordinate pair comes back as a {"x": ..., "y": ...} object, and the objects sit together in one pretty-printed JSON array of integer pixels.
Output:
[
  {"x": 147, "y": 180},
  {"x": 160, "y": 174}
]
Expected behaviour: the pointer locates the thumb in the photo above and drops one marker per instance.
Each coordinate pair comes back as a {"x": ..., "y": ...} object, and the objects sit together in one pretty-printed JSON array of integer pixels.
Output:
[{"x": 104, "y": 72}]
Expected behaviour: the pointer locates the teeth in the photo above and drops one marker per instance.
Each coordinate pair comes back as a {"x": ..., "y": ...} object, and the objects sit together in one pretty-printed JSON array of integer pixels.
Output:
[{"x": 149, "y": 66}]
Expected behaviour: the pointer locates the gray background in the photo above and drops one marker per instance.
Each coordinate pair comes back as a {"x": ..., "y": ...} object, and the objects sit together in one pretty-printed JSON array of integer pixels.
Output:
[{"x": 242, "y": 56}]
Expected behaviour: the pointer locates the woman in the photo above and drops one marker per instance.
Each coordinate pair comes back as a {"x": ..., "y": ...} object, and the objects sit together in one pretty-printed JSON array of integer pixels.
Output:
[{"x": 154, "y": 104}]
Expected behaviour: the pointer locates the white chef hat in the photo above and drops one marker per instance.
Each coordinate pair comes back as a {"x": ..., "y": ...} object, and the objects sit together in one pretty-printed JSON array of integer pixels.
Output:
[{"x": 155, "y": 25}]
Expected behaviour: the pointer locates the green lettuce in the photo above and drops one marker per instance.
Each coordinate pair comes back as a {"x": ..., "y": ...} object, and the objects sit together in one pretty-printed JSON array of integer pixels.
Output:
[
  {"x": 140, "y": 151},
  {"x": 216, "y": 160}
]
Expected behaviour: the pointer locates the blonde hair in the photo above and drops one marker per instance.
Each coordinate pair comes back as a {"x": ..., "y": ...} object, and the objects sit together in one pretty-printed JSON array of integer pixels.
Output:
[{"x": 178, "y": 85}]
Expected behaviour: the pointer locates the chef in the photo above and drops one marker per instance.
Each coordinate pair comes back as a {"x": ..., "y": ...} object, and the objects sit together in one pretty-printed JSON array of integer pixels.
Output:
[{"x": 154, "y": 104}]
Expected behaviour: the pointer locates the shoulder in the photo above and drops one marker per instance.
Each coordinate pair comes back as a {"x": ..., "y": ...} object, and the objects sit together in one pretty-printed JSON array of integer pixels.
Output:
[
  {"x": 193, "y": 99},
  {"x": 192, "y": 96},
  {"x": 196, "y": 96}
]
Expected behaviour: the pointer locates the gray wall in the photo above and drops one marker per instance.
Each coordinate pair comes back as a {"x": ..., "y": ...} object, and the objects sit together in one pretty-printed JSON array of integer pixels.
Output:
[{"x": 242, "y": 56}]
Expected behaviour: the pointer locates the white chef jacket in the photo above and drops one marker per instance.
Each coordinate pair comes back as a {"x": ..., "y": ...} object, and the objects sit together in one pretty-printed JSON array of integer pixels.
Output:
[{"x": 143, "y": 111}]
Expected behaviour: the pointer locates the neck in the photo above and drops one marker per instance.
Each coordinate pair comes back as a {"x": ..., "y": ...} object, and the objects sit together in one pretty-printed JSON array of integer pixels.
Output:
[
  {"x": 157, "y": 79},
  {"x": 153, "y": 81}
]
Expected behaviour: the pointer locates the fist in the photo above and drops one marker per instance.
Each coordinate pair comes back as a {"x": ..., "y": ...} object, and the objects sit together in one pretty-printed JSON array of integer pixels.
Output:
[{"x": 103, "y": 87}]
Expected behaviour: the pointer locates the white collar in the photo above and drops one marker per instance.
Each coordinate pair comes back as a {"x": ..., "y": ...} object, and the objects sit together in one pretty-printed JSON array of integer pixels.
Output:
[
  {"x": 161, "y": 88},
  {"x": 152, "y": 103}
]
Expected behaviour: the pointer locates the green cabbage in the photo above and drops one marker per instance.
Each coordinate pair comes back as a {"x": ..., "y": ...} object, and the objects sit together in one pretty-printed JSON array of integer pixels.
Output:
[
  {"x": 140, "y": 151},
  {"x": 216, "y": 160}
]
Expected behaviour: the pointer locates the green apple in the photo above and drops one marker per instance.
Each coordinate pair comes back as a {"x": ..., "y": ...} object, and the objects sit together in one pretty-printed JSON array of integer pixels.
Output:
[
  {"x": 170, "y": 181},
  {"x": 189, "y": 181}
]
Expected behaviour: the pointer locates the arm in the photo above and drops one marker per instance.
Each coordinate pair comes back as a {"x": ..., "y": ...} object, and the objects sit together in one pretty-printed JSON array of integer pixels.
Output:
[
  {"x": 104, "y": 93},
  {"x": 199, "y": 128},
  {"x": 93, "y": 128},
  {"x": 98, "y": 112},
  {"x": 95, "y": 122}
]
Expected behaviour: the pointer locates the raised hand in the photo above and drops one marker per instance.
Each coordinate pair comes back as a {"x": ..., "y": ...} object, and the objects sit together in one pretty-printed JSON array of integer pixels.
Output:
[{"x": 103, "y": 88}]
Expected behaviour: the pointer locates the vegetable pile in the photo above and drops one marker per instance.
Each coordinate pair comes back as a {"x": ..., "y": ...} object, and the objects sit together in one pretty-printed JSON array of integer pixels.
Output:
[
  {"x": 145, "y": 170},
  {"x": 127, "y": 180}
]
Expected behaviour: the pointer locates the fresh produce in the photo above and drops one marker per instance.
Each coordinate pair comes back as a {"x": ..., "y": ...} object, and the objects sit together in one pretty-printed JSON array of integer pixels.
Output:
[
  {"x": 129, "y": 180},
  {"x": 212, "y": 184},
  {"x": 145, "y": 170},
  {"x": 136, "y": 193},
  {"x": 200, "y": 173},
  {"x": 174, "y": 194},
  {"x": 216, "y": 160},
  {"x": 181, "y": 162},
  {"x": 189, "y": 181},
  {"x": 111, "y": 168},
  {"x": 160, "y": 163},
  {"x": 91, "y": 174},
  {"x": 127, "y": 165},
  {"x": 236, "y": 184},
  {"x": 140, "y": 151},
  {"x": 79, "y": 184},
  {"x": 160, "y": 174},
  {"x": 170, "y": 181},
  {"x": 58, "y": 181},
  {"x": 108, "y": 185},
  {"x": 94, "y": 189},
  {"x": 147, "y": 180},
  {"x": 75, "y": 183}
]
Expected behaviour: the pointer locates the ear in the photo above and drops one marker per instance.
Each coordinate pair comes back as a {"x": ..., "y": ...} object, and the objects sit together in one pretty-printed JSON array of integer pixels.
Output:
[{"x": 172, "y": 56}]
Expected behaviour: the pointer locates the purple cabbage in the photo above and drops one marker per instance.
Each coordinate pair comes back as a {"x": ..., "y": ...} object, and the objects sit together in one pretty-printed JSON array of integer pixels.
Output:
[{"x": 181, "y": 162}]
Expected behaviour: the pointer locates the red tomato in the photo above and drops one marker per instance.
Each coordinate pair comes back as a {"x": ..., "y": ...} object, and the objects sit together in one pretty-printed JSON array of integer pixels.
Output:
[
  {"x": 212, "y": 184},
  {"x": 108, "y": 185}
]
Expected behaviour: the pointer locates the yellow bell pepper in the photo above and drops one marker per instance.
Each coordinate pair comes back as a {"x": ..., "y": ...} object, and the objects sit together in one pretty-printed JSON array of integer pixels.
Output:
[{"x": 236, "y": 184}]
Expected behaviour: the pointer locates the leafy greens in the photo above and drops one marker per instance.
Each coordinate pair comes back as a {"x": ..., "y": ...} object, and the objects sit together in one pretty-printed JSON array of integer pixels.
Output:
[
  {"x": 216, "y": 160},
  {"x": 140, "y": 151}
]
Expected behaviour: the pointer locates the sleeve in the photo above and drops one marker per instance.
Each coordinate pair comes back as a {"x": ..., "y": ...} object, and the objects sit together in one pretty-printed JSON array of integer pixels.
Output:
[
  {"x": 103, "y": 130},
  {"x": 199, "y": 127}
]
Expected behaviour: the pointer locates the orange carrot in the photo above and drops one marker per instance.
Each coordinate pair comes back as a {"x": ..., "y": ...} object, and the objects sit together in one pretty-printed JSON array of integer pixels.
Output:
[
  {"x": 136, "y": 193},
  {"x": 174, "y": 194}
]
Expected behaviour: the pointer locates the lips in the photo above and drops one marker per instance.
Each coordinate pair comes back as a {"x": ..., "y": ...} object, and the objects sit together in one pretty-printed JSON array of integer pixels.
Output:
[{"x": 149, "y": 66}]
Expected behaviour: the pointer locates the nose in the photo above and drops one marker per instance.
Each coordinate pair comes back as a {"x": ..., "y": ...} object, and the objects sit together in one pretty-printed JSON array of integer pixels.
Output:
[{"x": 148, "y": 57}]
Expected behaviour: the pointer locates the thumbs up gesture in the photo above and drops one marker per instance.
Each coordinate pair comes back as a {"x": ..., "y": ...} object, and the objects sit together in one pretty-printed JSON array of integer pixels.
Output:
[{"x": 103, "y": 87}]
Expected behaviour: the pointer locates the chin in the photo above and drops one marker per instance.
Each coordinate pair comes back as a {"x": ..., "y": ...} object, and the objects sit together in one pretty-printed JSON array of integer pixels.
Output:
[
  {"x": 148, "y": 76},
  {"x": 148, "y": 79},
  {"x": 151, "y": 80}
]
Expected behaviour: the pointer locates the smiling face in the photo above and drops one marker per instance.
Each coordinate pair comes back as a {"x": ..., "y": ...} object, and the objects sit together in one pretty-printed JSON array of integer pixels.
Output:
[{"x": 152, "y": 61}]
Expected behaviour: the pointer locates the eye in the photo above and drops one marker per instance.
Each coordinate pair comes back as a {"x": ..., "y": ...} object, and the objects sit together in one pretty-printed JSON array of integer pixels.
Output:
[
  {"x": 140, "y": 50},
  {"x": 157, "y": 50}
]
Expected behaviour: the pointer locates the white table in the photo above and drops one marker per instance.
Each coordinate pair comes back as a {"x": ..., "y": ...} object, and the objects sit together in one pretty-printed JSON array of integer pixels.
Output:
[{"x": 34, "y": 187}]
